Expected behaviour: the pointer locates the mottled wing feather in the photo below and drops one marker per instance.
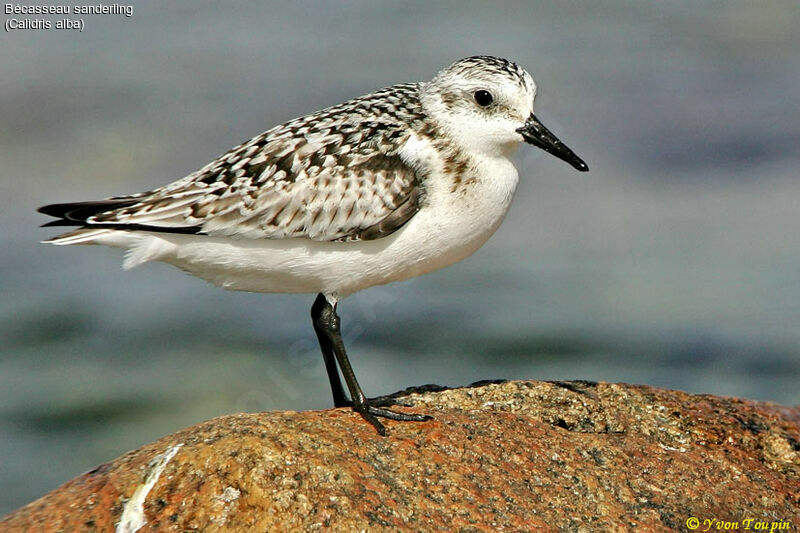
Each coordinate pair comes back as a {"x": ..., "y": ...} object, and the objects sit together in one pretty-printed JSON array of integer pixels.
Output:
[
  {"x": 392, "y": 222},
  {"x": 333, "y": 175}
]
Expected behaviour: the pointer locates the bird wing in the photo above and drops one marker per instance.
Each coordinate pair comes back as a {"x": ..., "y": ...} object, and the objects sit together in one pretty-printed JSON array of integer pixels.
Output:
[{"x": 318, "y": 177}]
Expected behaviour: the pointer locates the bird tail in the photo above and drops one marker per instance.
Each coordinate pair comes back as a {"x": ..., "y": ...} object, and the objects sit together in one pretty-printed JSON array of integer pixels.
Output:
[
  {"x": 141, "y": 245},
  {"x": 77, "y": 214},
  {"x": 80, "y": 236}
]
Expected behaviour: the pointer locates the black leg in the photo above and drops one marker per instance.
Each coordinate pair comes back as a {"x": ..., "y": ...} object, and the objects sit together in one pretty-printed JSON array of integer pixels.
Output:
[
  {"x": 339, "y": 397},
  {"x": 326, "y": 324}
]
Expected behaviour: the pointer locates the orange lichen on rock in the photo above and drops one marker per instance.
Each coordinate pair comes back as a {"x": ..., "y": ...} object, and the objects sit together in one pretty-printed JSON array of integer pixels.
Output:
[{"x": 510, "y": 456}]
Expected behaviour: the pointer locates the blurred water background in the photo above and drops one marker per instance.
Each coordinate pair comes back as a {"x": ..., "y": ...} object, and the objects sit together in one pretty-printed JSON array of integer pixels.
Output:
[{"x": 675, "y": 262}]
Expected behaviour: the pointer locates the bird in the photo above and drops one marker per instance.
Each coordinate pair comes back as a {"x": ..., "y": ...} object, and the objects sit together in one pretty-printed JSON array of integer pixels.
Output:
[{"x": 382, "y": 188}]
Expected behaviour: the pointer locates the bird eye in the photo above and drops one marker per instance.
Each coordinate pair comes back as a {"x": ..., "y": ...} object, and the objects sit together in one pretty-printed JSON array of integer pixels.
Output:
[{"x": 483, "y": 98}]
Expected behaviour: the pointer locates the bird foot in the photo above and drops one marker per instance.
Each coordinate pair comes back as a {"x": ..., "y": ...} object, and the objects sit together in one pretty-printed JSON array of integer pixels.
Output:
[{"x": 371, "y": 411}]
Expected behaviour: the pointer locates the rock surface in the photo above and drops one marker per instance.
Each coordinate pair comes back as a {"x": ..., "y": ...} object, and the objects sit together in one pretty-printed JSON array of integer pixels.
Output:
[{"x": 511, "y": 456}]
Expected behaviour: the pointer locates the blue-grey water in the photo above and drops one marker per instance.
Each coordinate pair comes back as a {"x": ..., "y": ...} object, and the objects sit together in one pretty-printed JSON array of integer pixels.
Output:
[{"x": 675, "y": 262}]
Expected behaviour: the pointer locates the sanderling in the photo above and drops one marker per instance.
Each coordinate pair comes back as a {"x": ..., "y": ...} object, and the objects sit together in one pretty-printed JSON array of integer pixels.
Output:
[{"x": 385, "y": 187}]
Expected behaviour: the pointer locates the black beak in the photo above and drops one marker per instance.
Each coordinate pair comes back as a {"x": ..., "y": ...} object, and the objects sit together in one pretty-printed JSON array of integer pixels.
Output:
[{"x": 536, "y": 134}]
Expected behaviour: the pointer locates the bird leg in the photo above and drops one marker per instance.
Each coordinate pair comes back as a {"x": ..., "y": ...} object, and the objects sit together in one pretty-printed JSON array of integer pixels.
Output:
[
  {"x": 320, "y": 326},
  {"x": 326, "y": 324}
]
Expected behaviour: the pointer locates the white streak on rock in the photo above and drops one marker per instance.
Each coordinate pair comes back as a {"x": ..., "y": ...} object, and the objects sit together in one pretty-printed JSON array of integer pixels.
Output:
[
  {"x": 230, "y": 494},
  {"x": 132, "y": 518}
]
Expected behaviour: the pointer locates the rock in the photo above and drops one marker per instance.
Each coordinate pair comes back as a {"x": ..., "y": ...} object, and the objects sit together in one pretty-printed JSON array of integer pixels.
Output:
[{"x": 506, "y": 456}]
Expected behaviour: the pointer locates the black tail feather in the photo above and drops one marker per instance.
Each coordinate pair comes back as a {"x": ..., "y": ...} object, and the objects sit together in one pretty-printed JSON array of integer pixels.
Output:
[
  {"x": 61, "y": 222},
  {"x": 76, "y": 214},
  {"x": 80, "y": 211}
]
